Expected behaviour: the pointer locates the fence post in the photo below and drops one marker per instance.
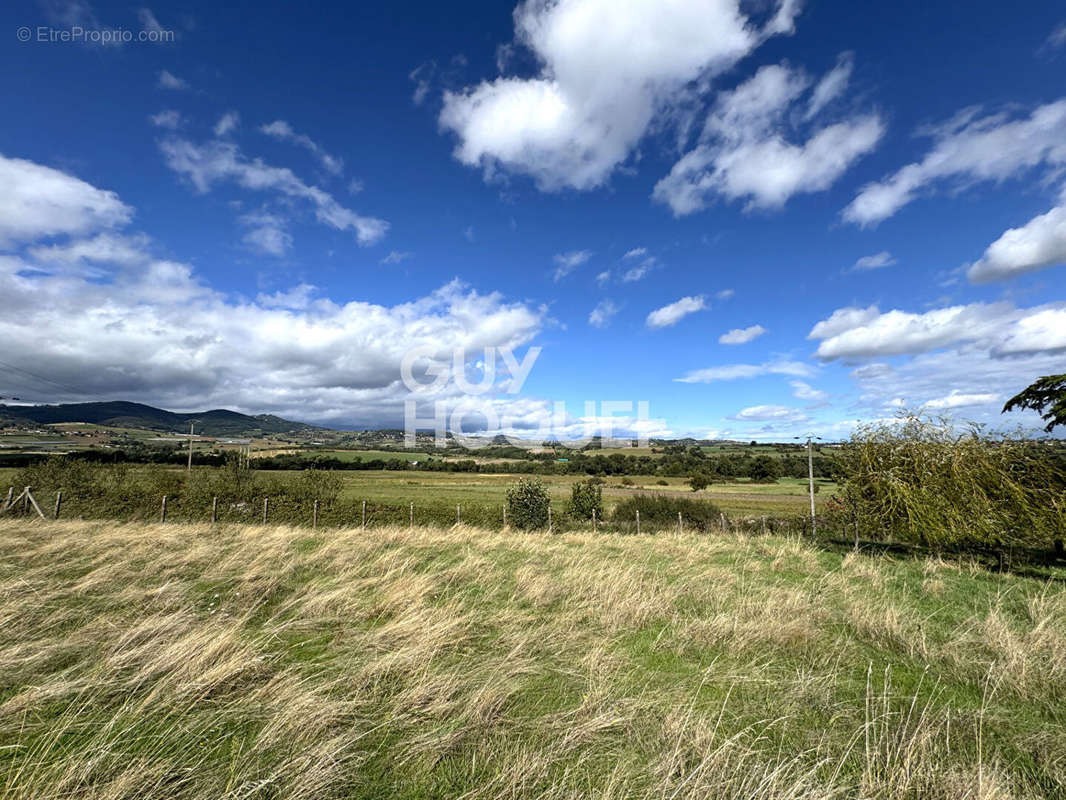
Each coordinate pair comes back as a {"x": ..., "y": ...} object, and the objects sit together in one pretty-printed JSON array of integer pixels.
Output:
[
  {"x": 59, "y": 502},
  {"x": 26, "y": 500},
  {"x": 549, "y": 518},
  {"x": 505, "y": 516},
  {"x": 10, "y": 492},
  {"x": 163, "y": 511},
  {"x": 314, "y": 516},
  {"x": 214, "y": 510},
  {"x": 266, "y": 509},
  {"x": 458, "y": 513},
  {"x": 412, "y": 515},
  {"x": 364, "y": 515},
  {"x": 679, "y": 527},
  {"x": 764, "y": 525},
  {"x": 721, "y": 518},
  {"x": 638, "y": 523},
  {"x": 593, "y": 520}
]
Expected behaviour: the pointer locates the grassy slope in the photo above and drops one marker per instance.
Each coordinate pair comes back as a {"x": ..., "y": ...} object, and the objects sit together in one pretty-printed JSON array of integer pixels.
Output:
[{"x": 184, "y": 662}]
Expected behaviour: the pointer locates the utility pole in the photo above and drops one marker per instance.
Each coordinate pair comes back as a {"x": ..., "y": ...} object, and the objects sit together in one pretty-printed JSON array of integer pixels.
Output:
[
  {"x": 810, "y": 479},
  {"x": 188, "y": 470}
]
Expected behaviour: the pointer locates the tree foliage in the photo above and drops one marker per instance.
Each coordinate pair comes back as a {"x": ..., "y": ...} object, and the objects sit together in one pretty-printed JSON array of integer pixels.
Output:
[{"x": 1046, "y": 396}]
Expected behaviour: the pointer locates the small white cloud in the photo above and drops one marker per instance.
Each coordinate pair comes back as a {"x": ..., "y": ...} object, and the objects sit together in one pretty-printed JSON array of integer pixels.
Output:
[
  {"x": 227, "y": 123},
  {"x": 725, "y": 294},
  {"x": 355, "y": 186},
  {"x": 636, "y": 252},
  {"x": 168, "y": 80},
  {"x": 1038, "y": 244},
  {"x": 283, "y": 132},
  {"x": 603, "y": 277},
  {"x": 565, "y": 263},
  {"x": 742, "y": 335},
  {"x": 958, "y": 399},
  {"x": 640, "y": 271},
  {"x": 804, "y": 391},
  {"x": 732, "y": 372},
  {"x": 267, "y": 234},
  {"x": 148, "y": 21},
  {"x": 600, "y": 317},
  {"x": 876, "y": 261},
  {"x": 676, "y": 311},
  {"x": 1057, "y": 38},
  {"x": 769, "y": 413},
  {"x": 396, "y": 257},
  {"x": 169, "y": 119}
]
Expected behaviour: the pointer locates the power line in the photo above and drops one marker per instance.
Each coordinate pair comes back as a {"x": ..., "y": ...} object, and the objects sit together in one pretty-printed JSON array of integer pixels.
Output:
[{"x": 65, "y": 387}]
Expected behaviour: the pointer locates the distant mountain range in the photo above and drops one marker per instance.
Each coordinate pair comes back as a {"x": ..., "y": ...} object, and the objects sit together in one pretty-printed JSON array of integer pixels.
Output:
[{"x": 218, "y": 422}]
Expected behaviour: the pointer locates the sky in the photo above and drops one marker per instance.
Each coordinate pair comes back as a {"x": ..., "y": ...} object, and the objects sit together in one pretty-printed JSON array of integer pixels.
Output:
[{"x": 710, "y": 218}]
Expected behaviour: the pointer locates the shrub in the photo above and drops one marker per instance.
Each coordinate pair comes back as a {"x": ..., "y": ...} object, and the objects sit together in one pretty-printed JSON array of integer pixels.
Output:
[
  {"x": 662, "y": 483},
  {"x": 627, "y": 482},
  {"x": 921, "y": 481},
  {"x": 765, "y": 469},
  {"x": 660, "y": 511},
  {"x": 586, "y": 498},
  {"x": 698, "y": 482},
  {"x": 527, "y": 504}
]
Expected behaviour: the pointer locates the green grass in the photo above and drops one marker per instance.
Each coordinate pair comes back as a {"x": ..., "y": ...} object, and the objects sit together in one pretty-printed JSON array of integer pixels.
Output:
[{"x": 194, "y": 662}]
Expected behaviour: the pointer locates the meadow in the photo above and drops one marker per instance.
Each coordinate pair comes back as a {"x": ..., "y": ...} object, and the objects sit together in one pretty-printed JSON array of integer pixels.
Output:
[{"x": 185, "y": 661}]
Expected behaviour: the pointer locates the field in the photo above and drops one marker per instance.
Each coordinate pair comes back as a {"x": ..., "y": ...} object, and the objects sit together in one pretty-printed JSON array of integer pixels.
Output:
[
  {"x": 787, "y": 496},
  {"x": 257, "y": 662}
]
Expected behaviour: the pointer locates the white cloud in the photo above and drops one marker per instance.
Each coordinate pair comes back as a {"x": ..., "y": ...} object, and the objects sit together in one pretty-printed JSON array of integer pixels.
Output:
[
  {"x": 998, "y": 328},
  {"x": 267, "y": 234},
  {"x": 148, "y": 21},
  {"x": 207, "y": 164},
  {"x": 396, "y": 257},
  {"x": 227, "y": 123},
  {"x": 355, "y": 186},
  {"x": 676, "y": 311},
  {"x": 725, "y": 294},
  {"x": 640, "y": 271},
  {"x": 604, "y": 76},
  {"x": 732, "y": 372},
  {"x": 282, "y": 131},
  {"x": 168, "y": 80},
  {"x": 742, "y": 335},
  {"x": 103, "y": 248},
  {"x": 39, "y": 201},
  {"x": 600, "y": 317},
  {"x": 876, "y": 261},
  {"x": 603, "y": 277},
  {"x": 1040, "y": 243},
  {"x": 1057, "y": 38},
  {"x": 957, "y": 399},
  {"x": 969, "y": 149},
  {"x": 804, "y": 391},
  {"x": 298, "y": 297},
  {"x": 169, "y": 119},
  {"x": 769, "y": 413},
  {"x": 745, "y": 152},
  {"x": 636, "y": 252},
  {"x": 565, "y": 263},
  {"x": 832, "y": 85}
]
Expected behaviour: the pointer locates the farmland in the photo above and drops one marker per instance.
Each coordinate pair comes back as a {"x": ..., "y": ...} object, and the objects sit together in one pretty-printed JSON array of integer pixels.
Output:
[{"x": 180, "y": 661}]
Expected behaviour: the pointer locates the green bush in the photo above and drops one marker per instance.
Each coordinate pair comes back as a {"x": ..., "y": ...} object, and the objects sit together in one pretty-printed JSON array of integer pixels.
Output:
[
  {"x": 527, "y": 504},
  {"x": 698, "y": 482},
  {"x": 921, "y": 481},
  {"x": 586, "y": 499},
  {"x": 659, "y": 511}
]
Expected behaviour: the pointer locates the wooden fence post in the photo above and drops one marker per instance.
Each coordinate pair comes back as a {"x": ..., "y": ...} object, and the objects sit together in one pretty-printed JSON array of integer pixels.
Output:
[
  {"x": 764, "y": 525},
  {"x": 214, "y": 510},
  {"x": 505, "y": 516},
  {"x": 10, "y": 492},
  {"x": 549, "y": 518},
  {"x": 266, "y": 509},
  {"x": 412, "y": 518},
  {"x": 314, "y": 516},
  {"x": 458, "y": 514},
  {"x": 721, "y": 517},
  {"x": 638, "y": 523},
  {"x": 593, "y": 520},
  {"x": 59, "y": 502},
  {"x": 163, "y": 510},
  {"x": 364, "y": 515},
  {"x": 679, "y": 526}
]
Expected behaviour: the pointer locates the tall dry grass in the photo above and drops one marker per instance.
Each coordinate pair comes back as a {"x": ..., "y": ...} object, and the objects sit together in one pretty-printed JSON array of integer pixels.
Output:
[{"x": 181, "y": 661}]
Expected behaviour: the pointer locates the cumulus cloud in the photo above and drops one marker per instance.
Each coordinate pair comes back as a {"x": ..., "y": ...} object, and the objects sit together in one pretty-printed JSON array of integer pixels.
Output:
[
  {"x": 207, "y": 164},
  {"x": 732, "y": 372},
  {"x": 742, "y": 335},
  {"x": 957, "y": 399},
  {"x": 565, "y": 263},
  {"x": 282, "y": 131},
  {"x": 745, "y": 150},
  {"x": 672, "y": 314},
  {"x": 601, "y": 315},
  {"x": 603, "y": 77},
  {"x": 168, "y": 80},
  {"x": 804, "y": 391},
  {"x": 39, "y": 201},
  {"x": 876, "y": 261},
  {"x": 1038, "y": 244},
  {"x": 267, "y": 233},
  {"x": 999, "y": 328},
  {"x": 769, "y": 413},
  {"x": 969, "y": 149}
]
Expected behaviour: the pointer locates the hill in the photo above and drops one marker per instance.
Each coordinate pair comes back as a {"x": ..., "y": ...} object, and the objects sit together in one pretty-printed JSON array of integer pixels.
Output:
[{"x": 120, "y": 414}]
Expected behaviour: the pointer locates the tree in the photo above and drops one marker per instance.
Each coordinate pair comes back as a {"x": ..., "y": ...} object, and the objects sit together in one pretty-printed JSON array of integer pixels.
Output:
[
  {"x": 586, "y": 499},
  {"x": 698, "y": 482},
  {"x": 527, "y": 504},
  {"x": 764, "y": 469},
  {"x": 1046, "y": 396}
]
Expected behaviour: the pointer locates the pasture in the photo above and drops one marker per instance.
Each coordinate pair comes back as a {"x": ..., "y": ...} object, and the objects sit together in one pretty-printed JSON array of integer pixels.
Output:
[{"x": 183, "y": 661}]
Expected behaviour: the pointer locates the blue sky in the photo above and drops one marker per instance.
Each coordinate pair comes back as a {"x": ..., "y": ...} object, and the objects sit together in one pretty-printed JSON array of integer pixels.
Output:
[{"x": 762, "y": 219}]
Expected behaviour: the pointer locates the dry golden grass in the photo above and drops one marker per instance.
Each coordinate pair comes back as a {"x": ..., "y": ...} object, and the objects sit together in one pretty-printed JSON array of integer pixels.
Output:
[{"x": 147, "y": 661}]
